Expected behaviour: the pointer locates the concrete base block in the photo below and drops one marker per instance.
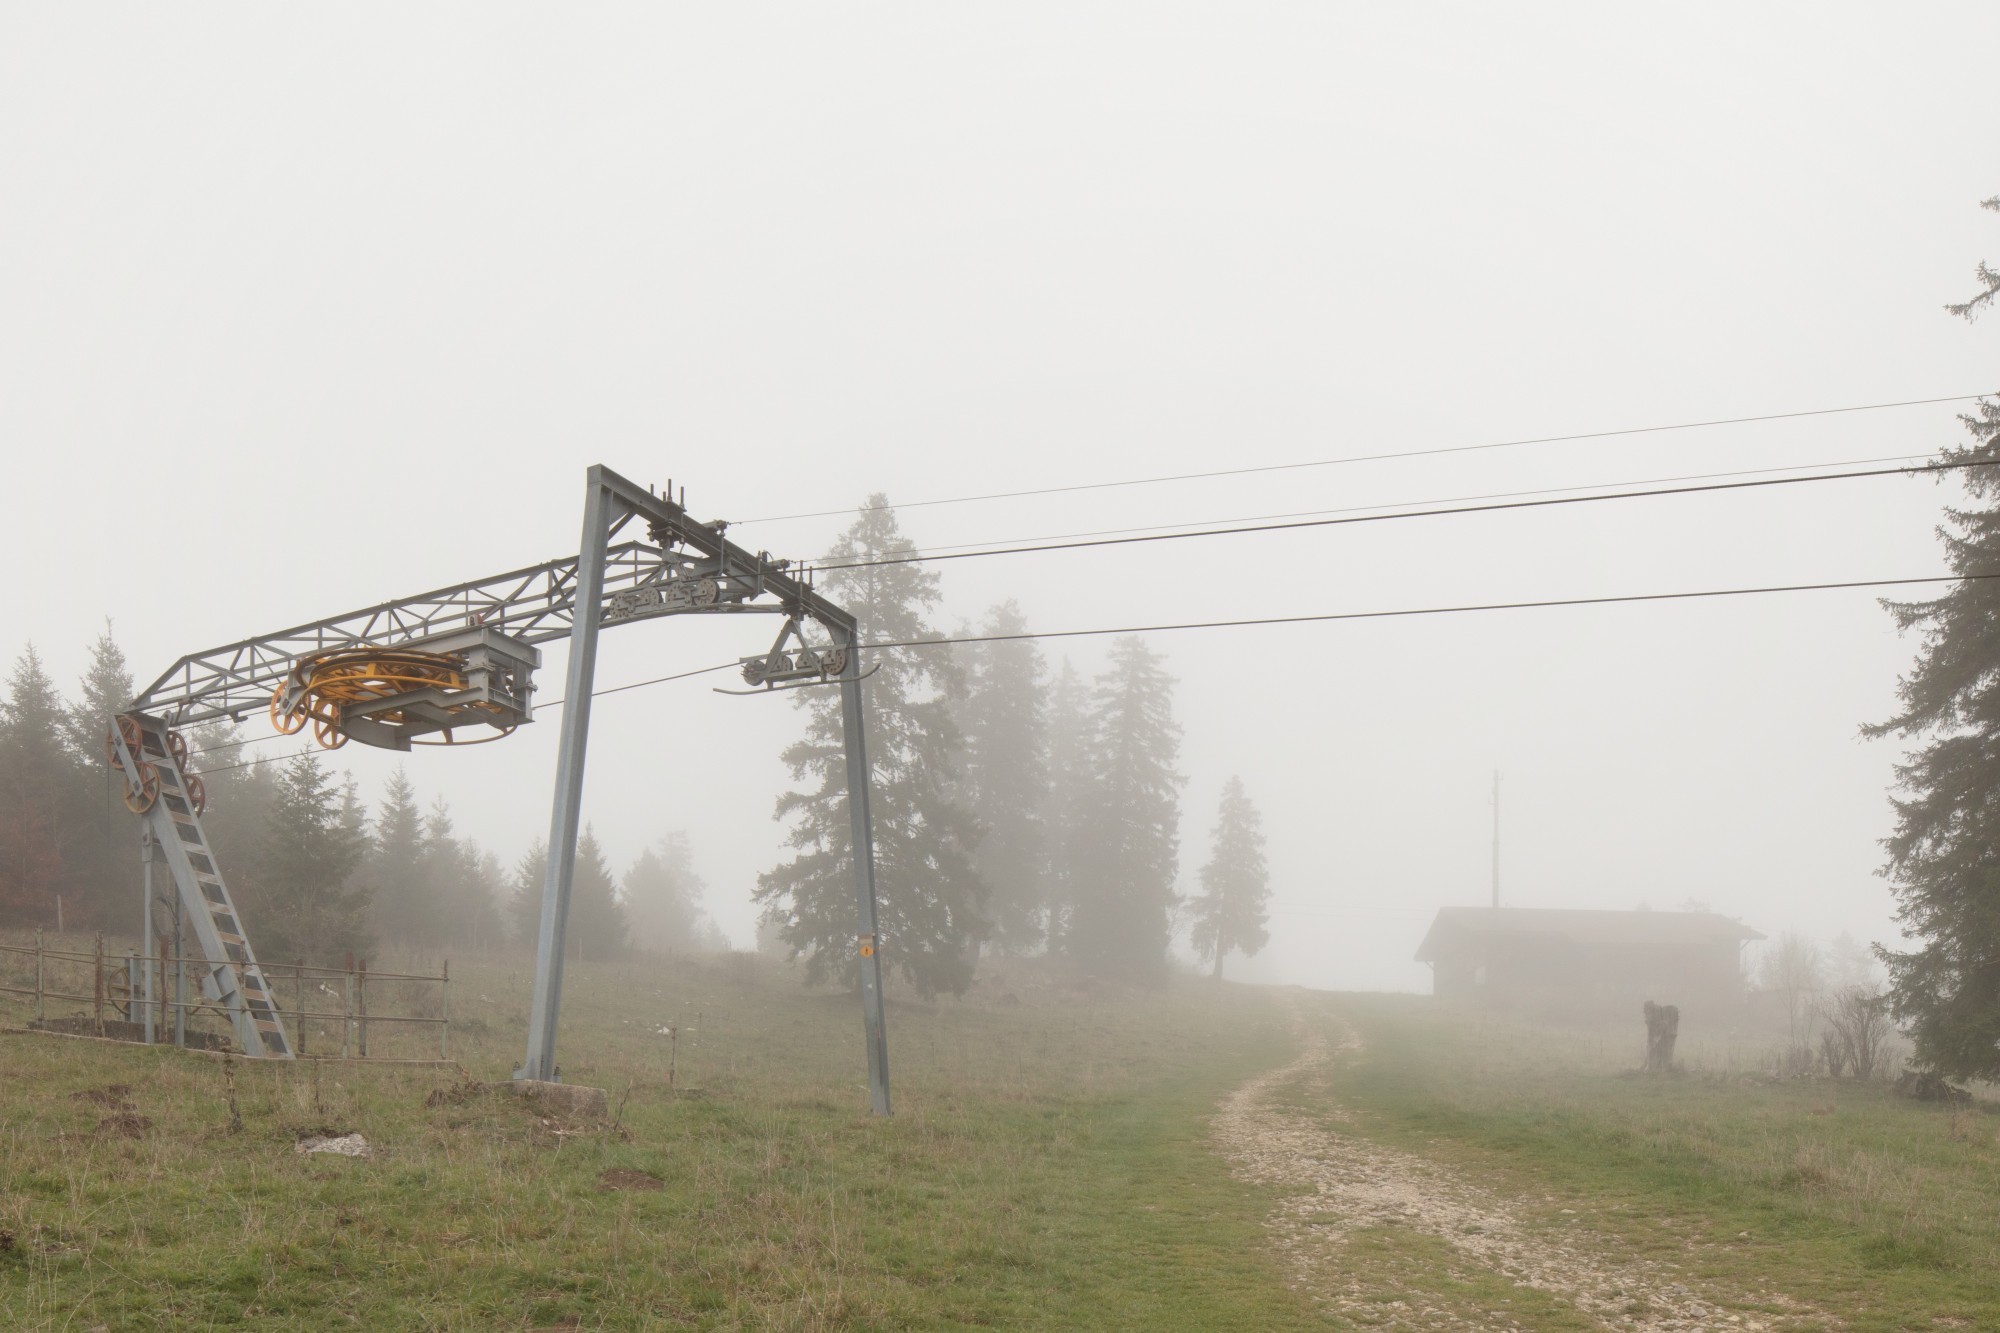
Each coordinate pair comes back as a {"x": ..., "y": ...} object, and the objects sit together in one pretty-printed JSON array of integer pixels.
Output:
[{"x": 570, "y": 1099}]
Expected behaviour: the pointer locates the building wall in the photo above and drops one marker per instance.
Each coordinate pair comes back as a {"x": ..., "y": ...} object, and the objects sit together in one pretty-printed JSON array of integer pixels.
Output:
[{"x": 1547, "y": 978}]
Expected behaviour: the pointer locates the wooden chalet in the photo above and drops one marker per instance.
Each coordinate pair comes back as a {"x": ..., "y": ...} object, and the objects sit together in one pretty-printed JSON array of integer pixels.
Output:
[{"x": 1556, "y": 963}]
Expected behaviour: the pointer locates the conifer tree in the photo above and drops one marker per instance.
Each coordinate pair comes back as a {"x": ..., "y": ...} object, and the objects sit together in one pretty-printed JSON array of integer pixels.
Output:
[
  {"x": 663, "y": 900},
  {"x": 104, "y": 691},
  {"x": 1066, "y": 801},
  {"x": 1127, "y": 847},
  {"x": 1006, "y": 776},
  {"x": 597, "y": 927},
  {"x": 395, "y": 865},
  {"x": 452, "y": 880},
  {"x": 103, "y": 856},
  {"x": 524, "y": 903},
  {"x": 1229, "y": 913},
  {"x": 307, "y": 902},
  {"x": 929, "y": 896},
  {"x": 1940, "y": 856},
  {"x": 41, "y": 796}
]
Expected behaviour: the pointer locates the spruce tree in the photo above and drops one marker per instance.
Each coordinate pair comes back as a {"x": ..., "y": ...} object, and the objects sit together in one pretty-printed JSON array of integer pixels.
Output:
[
  {"x": 524, "y": 902},
  {"x": 106, "y": 852},
  {"x": 1941, "y": 863},
  {"x": 929, "y": 896},
  {"x": 1006, "y": 776},
  {"x": 452, "y": 881},
  {"x": 395, "y": 866},
  {"x": 102, "y": 694},
  {"x": 1066, "y": 799},
  {"x": 597, "y": 927},
  {"x": 1127, "y": 847},
  {"x": 44, "y": 801},
  {"x": 663, "y": 899},
  {"x": 307, "y": 902},
  {"x": 1229, "y": 913}
]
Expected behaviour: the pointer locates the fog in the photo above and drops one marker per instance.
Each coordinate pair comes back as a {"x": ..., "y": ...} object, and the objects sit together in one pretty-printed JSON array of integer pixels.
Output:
[{"x": 303, "y": 311}]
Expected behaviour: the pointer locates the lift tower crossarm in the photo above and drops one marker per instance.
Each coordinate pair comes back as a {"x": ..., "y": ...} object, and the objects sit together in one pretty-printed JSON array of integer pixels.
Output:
[
  {"x": 534, "y": 604},
  {"x": 669, "y": 524}
]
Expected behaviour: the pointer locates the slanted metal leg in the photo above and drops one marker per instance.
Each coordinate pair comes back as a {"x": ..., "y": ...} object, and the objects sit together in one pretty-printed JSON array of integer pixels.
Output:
[
  {"x": 563, "y": 821},
  {"x": 854, "y": 730}
]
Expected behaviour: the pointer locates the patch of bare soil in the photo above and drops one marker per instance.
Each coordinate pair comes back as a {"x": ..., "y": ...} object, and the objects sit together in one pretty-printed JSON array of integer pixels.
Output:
[
  {"x": 124, "y": 1125},
  {"x": 1345, "y": 1183},
  {"x": 623, "y": 1178}
]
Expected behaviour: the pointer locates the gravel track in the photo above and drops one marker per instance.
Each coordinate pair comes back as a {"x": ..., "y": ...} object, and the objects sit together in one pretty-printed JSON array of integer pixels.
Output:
[{"x": 1339, "y": 1183}]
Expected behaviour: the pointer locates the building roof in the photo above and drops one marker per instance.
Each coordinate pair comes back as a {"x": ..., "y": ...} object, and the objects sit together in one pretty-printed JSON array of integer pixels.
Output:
[{"x": 1579, "y": 927}]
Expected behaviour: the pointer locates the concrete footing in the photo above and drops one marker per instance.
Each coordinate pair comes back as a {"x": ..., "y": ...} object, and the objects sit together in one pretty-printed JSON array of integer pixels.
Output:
[{"x": 570, "y": 1099}]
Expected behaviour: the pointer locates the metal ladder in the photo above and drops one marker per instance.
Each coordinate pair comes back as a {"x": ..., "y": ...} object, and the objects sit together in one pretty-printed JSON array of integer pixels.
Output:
[{"x": 231, "y": 978}]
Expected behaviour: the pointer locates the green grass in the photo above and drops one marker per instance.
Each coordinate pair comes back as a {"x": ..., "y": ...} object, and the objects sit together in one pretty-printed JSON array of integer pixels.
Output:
[
  {"x": 1046, "y": 1168},
  {"x": 1882, "y": 1212}
]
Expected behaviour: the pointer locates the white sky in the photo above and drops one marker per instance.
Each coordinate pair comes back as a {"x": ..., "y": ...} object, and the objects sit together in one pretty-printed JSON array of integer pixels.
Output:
[{"x": 305, "y": 309}]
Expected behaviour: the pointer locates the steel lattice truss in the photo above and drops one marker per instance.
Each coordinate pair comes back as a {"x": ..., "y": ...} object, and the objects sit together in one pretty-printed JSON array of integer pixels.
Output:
[{"x": 688, "y": 567}]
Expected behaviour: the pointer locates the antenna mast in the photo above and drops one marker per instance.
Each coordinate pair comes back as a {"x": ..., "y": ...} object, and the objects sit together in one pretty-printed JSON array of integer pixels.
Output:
[{"x": 1496, "y": 837}]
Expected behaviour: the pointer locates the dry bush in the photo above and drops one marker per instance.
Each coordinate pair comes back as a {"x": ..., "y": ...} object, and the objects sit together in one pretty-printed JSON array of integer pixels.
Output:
[{"x": 1858, "y": 1032}]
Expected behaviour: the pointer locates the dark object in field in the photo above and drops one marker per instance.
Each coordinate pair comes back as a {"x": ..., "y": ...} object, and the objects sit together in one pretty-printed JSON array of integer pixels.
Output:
[
  {"x": 124, "y": 1125},
  {"x": 624, "y": 1178},
  {"x": 1663, "y": 1026},
  {"x": 1929, "y": 1087},
  {"x": 111, "y": 1094},
  {"x": 459, "y": 1093}
]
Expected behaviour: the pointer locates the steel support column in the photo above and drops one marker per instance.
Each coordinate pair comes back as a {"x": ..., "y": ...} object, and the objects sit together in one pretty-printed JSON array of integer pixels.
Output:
[
  {"x": 860, "y": 820},
  {"x": 146, "y": 929},
  {"x": 598, "y": 515}
]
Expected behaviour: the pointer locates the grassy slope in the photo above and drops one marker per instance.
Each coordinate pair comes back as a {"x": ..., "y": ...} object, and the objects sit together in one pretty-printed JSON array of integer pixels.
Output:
[
  {"x": 1882, "y": 1212},
  {"x": 1045, "y": 1168}
]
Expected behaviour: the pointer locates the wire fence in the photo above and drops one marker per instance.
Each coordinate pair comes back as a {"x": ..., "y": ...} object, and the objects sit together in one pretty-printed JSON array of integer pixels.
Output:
[{"x": 345, "y": 1012}]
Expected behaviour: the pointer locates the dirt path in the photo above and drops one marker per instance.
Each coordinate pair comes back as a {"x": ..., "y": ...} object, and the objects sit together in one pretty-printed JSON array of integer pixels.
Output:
[{"x": 1346, "y": 1183}]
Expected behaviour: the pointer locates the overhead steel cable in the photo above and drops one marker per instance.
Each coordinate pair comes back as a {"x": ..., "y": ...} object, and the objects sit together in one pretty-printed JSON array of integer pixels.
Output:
[
  {"x": 1250, "y": 621},
  {"x": 1372, "y": 458},
  {"x": 1612, "y": 600},
  {"x": 1449, "y": 510},
  {"x": 1905, "y": 459}
]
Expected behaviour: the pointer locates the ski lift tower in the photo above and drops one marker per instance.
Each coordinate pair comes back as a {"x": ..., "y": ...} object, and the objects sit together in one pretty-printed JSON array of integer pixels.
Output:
[{"x": 428, "y": 670}]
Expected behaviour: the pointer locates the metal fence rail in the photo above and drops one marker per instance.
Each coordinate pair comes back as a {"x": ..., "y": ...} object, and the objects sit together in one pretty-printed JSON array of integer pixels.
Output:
[{"x": 148, "y": 990}]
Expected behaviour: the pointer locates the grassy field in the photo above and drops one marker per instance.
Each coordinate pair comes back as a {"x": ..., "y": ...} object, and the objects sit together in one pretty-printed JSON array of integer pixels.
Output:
[
  {"x": 1874, "y": 1211},
  {"x": 1045, "y": 1169},
  {"x": 1049, "y": 1166}
]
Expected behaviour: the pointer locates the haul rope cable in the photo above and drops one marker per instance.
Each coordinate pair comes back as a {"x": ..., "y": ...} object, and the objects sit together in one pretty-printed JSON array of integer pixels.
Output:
[
  {"x": 1446, "y": 512},
  {"x": 1383, "y": 457},
  {"x": 1614, "y": 600},
  {"x": 1060, "y": 544}
]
